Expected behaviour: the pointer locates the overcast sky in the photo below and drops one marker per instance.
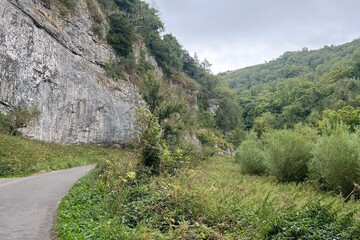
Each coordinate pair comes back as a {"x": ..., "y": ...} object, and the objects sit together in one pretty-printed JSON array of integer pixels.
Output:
[{"x": 237, "y": 33}]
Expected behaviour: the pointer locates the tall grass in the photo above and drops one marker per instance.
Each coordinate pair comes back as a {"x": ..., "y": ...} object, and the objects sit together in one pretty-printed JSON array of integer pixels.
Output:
[{"x": 210, "y": 201}]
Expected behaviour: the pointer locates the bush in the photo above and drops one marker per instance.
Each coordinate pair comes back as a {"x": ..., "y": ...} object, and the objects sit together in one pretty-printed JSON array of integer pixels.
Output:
[
  {"x": 251, "y": 157},
  {"x": 289, "y": 153},
  {"x": 336, "y": 160},
  {"x": 150, "y": 140},
  {"x": 121, "y": 35},
  {"x": 17, "y": 118},
  {"x": 206, "y": 137},
  {"x": 236, "y": 136}
]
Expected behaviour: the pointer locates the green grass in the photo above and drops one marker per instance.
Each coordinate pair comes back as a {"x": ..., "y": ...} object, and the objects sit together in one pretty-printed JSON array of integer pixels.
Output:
[
  {"x": 211, "y": 201},
  {"x": 20, "y": 156}
]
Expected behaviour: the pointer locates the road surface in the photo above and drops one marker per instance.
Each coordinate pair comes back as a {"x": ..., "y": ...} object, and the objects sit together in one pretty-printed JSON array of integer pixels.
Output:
[{"x": 28, "y": 205}]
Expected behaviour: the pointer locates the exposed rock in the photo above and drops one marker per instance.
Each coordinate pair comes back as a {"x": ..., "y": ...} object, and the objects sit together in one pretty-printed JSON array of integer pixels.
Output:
[
  {"x": 138, "y": 48},
  {"x": 214, "y": 105},
  {"x": 54, "y": 64}
]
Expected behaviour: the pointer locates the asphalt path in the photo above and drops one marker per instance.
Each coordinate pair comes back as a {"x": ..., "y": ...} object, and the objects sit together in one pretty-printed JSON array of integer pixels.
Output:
[{"x": 28, "y": 205}]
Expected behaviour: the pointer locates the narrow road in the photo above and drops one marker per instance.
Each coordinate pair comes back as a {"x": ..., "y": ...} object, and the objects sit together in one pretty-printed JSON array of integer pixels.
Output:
[{"x": 28, "y": 205}]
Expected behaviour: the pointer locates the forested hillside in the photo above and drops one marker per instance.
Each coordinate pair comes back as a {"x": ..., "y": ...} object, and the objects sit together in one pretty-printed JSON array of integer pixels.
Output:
[{"x": 303, "y": 86}]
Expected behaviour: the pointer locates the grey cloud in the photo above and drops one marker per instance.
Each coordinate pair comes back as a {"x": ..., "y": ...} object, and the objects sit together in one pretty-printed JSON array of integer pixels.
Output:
[{"x": 249, "y": 27}]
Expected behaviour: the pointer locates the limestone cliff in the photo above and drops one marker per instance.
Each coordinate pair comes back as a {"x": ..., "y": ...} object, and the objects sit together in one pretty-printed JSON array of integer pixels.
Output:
[{"x": 53, "y": 62}]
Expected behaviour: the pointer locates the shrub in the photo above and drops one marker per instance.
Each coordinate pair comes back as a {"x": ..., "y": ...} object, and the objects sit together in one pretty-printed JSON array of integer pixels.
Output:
[
  {"x": 17, "y": 118},
  {"x": 206, "y": 137},
  {"x": 337, "y": 160},
  {"x": 150, "y": 140},
  {"x": 150, "y": 90},
  {"x": 289, "y": 153},
  {"x": 251, "y": 157},
  {"x": 121, "y": 35},
  {"x": 236, "y": 136}
]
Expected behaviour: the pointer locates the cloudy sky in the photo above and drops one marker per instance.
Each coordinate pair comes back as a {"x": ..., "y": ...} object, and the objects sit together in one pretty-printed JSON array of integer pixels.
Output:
[{"x": 236, "y": 33}]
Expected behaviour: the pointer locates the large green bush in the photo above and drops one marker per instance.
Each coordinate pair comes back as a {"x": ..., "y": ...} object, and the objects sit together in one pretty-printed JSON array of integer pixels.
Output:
[
  {"x": 336, "y": 160},
  {"x": 121, "y": 35},
  {"x": 251, "y": 157},
  {"x": 289, "y": 153}
]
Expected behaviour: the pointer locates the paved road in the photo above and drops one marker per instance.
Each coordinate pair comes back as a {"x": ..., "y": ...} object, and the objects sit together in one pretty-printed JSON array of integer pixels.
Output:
[{"x": 28, "y": 205}]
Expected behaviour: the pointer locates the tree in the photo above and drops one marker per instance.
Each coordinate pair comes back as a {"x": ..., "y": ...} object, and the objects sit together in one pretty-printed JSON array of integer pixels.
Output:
[
  {"x": 191, "y": 66},
  {"x": 168, "y": 53},
  {"x": 346, "y": 115},
  {"x": 206, "y": 65},
  {"x": 264, "y": 123},
  {"x": 229, "y": 114},
  {"x": 121, "y": 35}
]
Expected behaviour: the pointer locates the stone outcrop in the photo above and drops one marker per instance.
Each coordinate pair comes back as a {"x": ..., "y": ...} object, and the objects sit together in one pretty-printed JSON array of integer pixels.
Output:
[{"x": 53, "y": 63}]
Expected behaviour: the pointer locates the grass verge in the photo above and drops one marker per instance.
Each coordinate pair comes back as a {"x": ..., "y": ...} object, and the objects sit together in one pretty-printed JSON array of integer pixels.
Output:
[{"x": 20, "y": 156}]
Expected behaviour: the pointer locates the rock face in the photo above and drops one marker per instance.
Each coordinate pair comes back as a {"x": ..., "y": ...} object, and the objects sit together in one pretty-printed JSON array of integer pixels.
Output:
[{"x": 53, "y": 63}]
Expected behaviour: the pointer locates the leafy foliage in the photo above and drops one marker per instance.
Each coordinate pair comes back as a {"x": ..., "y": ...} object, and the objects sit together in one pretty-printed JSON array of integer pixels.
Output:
[
  {"x": 346, "y": 115},
  {"x": 336, "y": 161},
  {"x": 121, "y": 35},
  {"x": 17, "y": 118},
  {"x": 155, "y": 198},
  {"x": 252, "y": 157},
  {"x": 228, "y": 116},
  {"x": 313, "y": 221},
  {"x": 289, "y": 153},
  {"x": 150, "y": 140}
]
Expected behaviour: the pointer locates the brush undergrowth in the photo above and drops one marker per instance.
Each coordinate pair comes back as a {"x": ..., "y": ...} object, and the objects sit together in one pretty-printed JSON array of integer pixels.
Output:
[
  {"x": 211, "y": 201},
  {"x": 20, "y": 156}
]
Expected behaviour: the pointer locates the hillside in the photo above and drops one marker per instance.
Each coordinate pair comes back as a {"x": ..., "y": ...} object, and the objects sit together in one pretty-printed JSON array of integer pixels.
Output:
[{"x": 299, "y": 86}]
